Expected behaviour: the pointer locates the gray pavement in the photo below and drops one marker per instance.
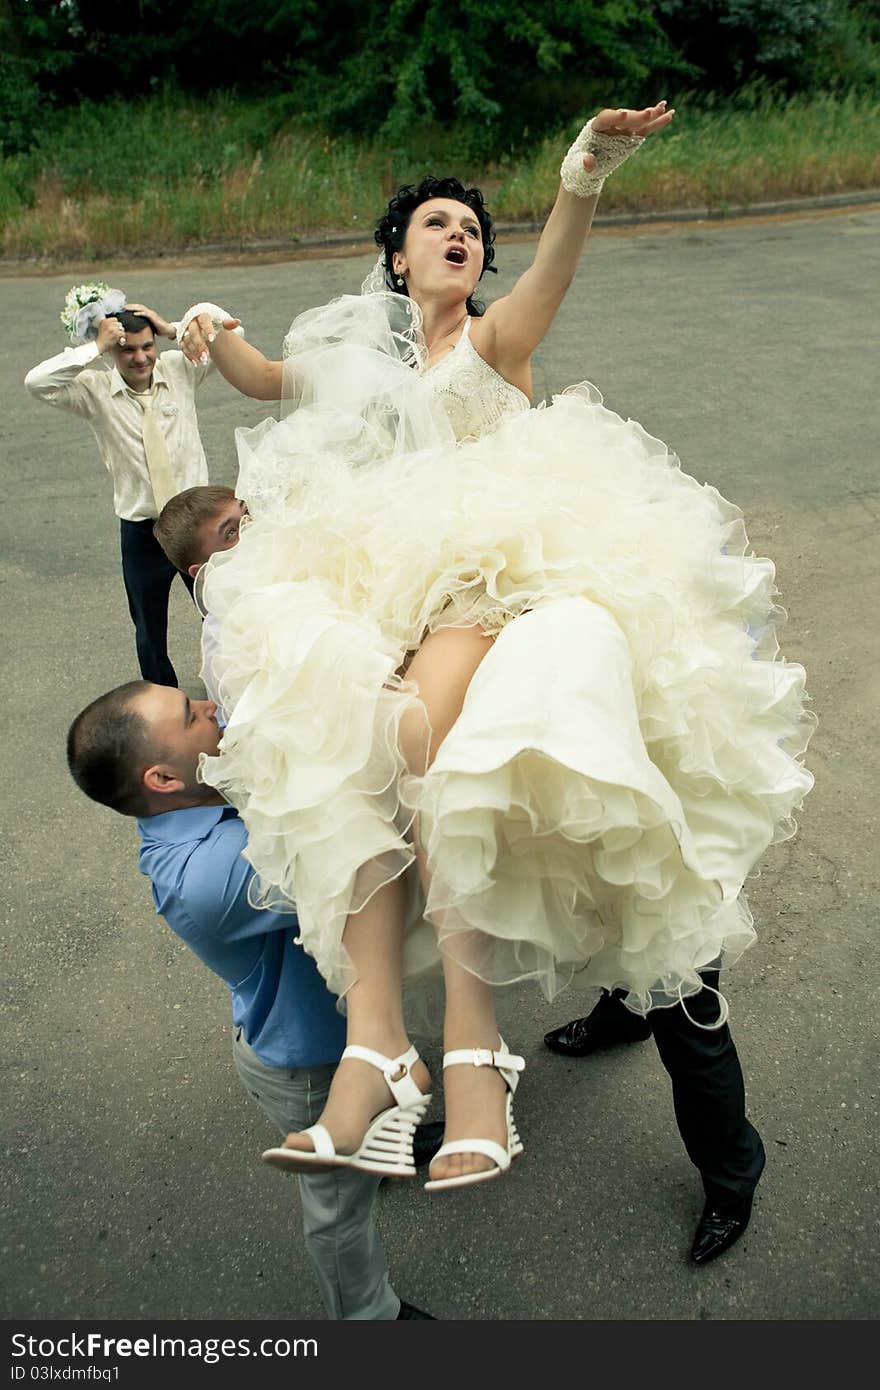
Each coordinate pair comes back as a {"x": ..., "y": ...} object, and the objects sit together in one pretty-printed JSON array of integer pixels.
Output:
[{"x": 132, "y": 1185}]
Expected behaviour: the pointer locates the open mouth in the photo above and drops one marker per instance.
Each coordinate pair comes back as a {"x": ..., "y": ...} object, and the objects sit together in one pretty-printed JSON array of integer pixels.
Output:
[{"x": 456, "y": 255}]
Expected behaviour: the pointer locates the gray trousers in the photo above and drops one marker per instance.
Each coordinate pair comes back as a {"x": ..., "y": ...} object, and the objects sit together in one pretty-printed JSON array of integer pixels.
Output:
[{"x": 337, "y": 1207}]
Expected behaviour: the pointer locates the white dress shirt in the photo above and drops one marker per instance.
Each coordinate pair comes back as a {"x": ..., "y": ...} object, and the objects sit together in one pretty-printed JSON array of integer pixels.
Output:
[
  {"x": 78, "y": 380},
  {"x": 210, "y": 642}
]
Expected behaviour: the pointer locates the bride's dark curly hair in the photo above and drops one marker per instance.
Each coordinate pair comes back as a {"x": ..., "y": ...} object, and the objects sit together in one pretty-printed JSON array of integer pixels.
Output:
[{"x": 391, "y": 227}]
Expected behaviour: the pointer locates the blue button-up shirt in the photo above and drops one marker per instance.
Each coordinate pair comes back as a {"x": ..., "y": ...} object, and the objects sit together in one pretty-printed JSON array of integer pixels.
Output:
[{"x": 200, "y": 886}]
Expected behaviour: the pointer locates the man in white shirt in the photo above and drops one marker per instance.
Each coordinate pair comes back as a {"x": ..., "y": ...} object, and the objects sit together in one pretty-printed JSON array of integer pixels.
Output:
[{"x": 142, "y": 413}]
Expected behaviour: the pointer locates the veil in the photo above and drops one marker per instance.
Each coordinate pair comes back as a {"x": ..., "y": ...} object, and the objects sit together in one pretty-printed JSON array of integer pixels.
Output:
[
  {"x": 377, "y": 279},
  {"x": 377, "y": 319},
  {"x": 353, "y": 397}
]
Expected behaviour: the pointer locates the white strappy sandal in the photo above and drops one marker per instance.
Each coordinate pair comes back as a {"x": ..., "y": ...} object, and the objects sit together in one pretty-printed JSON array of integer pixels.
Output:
[
  {"x": 509, "y": 1067},
  {"x": 387, "y": 1146}
]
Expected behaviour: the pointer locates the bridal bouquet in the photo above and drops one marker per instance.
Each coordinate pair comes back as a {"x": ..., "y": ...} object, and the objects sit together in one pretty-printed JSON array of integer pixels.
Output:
[{"x": 84, "y": 308}]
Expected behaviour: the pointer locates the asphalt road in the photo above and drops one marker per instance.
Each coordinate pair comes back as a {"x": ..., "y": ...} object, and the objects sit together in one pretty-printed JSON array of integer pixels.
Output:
[{"x": 132, "y": 1185}]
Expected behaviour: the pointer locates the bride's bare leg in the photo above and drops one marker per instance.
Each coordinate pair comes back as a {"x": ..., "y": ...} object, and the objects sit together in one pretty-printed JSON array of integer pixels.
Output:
[
  {"x": 475, "y": 1097},
  {"x": 443, "y": 668},
  {"x": 373, "y": 938}
]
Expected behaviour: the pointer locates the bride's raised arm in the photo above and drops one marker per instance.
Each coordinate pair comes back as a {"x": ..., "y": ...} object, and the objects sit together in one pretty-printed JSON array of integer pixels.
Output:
[
  {"x": 517, "y": 323},
  {"x": 205, "y": 330}
]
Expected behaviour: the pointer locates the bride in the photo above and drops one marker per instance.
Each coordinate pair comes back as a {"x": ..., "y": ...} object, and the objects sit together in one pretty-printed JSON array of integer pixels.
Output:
[{"x": 503, "y": 681}]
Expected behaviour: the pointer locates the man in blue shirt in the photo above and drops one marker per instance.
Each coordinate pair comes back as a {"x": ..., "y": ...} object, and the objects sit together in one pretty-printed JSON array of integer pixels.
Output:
[{"x": 137, "y": 751}]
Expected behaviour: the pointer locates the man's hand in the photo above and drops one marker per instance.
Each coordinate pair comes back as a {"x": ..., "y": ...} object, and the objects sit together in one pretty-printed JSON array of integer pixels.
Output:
[
  {"x": 110, "y": 334},
  {"x": 160, "y": 325},
  {"x": 198, "y": 336}
]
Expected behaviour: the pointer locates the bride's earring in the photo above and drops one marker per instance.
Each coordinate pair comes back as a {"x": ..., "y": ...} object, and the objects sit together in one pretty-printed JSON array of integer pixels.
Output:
[{"x": 400, "y": 281}]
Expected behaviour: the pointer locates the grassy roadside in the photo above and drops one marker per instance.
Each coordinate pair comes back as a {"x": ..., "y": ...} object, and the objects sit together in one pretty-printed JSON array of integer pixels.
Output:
[{"x": 162, "y": 176}]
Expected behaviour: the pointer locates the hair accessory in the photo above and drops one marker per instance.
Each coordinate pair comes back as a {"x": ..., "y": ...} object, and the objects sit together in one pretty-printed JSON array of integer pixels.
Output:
[
  {"x": 609, "y": 151},
  {"x": 84, "y": 308}
]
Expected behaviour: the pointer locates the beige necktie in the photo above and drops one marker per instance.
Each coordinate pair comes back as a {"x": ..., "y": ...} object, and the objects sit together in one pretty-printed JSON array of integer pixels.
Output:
[{"x": 158, "y": 463}]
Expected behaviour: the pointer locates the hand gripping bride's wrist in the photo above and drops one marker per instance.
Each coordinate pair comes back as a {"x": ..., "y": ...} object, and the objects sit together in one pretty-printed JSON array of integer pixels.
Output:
[{"x": 609, "y": 152}]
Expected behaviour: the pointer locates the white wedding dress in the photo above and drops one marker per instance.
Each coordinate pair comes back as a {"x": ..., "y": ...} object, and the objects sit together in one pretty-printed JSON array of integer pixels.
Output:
[{"x": 627, "y": 749}]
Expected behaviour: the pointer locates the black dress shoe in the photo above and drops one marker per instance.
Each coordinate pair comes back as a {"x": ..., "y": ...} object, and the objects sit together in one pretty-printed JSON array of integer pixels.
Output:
[
  {"x": 426, "y": 1141},
  {"x": 719, "y": 1227},
  {"x": 609, "y": 1024},
  {"x": 408, "y": 1311}
]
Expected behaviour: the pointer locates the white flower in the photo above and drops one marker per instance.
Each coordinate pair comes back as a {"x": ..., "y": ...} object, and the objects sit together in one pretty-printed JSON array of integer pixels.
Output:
[{"x": 84, "y": 308}]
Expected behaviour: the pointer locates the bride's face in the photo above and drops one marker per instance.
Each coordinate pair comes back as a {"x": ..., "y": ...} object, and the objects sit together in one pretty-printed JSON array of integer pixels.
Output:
[{"x": 442, "y": 249}]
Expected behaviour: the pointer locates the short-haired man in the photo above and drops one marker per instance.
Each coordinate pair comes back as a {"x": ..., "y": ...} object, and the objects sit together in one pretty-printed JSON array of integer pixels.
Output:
[
  {"x": 191, "y": 527},
  {"x": 137, "y": 750},
  {"x": 142, "y": 413},
  {"x": 198, "y": 521}
]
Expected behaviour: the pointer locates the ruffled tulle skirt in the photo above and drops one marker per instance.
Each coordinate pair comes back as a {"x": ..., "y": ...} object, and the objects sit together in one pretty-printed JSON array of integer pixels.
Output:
[{"x": 627, "y": 750}]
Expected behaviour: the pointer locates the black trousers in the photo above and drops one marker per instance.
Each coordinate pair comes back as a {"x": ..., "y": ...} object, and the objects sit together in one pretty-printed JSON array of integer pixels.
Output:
[
  {"x": 707, "y": 1090},
  {"x": 148, "y": 576}
]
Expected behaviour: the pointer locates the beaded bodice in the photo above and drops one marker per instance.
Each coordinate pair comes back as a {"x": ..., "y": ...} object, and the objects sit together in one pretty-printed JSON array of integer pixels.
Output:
[{"x": 475, "y": 396}]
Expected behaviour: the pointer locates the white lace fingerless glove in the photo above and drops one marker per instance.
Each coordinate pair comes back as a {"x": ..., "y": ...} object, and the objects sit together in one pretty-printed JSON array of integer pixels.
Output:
[
  {"x": 218, "y": 316},
  {"x": 608, "y": 150}
]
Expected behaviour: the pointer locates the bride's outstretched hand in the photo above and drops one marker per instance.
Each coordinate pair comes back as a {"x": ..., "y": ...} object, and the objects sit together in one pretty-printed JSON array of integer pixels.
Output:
[
  {"x": 622, "y": 121},
  {"x": 625, "y": 122},
  {"x": 200, "y": 332}
]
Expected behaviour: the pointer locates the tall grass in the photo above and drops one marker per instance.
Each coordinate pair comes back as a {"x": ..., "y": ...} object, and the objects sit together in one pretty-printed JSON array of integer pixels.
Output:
[
  {"x": 165, "y": 174},
  {"x": 719, "y": 155}
]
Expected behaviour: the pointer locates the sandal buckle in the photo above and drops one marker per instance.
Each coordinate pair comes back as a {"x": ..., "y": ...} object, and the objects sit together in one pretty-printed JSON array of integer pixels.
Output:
[
  {"x": 484, "y": 1057},
  {"x": 397, "y": 1075}
]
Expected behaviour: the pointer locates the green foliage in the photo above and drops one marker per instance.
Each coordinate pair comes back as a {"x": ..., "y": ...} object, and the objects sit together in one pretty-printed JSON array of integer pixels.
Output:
[
  {"x": 34, "y": 54},
  {"x": 498, "y": 71},
  {"x": 794, "y": 45},
  {"x": 164, "y": 137},
  {"x": 722, "y": 154},
  {"x": 21, "y": 109},
  {"x": 220, "y": 170},
  {"x": 501, "y": 68},
  {"x": 157, "y": 123}
]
